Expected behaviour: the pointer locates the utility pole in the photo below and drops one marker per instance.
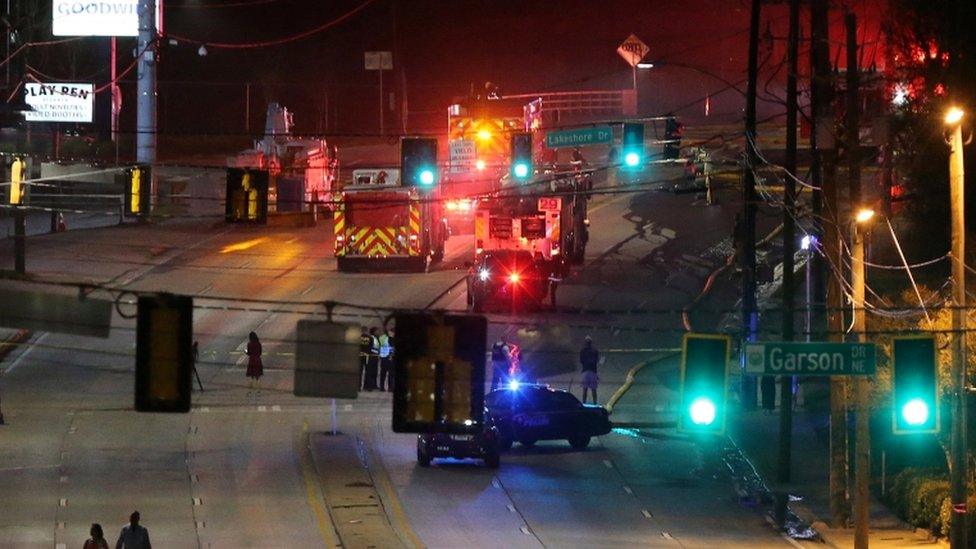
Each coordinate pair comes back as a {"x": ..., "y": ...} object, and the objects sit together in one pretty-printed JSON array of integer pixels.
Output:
[
  {"x": 823, "y": 177},
  {"x": 958, "y": 469},
  {"x": 862, "y": 456},
  {"x": 789, "y": 245},
  {"x": 146, "y": 87},
  {"x": 747, "y": 230},
  {"x": 862, "y": 429}
]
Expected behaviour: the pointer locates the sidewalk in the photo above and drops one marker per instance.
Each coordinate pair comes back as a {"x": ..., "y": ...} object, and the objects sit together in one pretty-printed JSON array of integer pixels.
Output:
[{"x": 757, "y": 435}]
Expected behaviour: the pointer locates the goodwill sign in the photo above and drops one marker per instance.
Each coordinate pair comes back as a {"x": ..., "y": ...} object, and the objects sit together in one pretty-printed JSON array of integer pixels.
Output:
[
  {"x": 59, "y": 102},
  {"x": 94, "y": 18}
]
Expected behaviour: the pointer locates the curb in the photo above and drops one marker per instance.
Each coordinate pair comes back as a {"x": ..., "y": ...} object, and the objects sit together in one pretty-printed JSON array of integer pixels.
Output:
[{"x": 12, "y": 342}]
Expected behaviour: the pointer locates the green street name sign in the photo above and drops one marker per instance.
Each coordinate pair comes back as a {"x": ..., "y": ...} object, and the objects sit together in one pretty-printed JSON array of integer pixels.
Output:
[
  {"x": 810, "y": 359},
  {"x": 579, "y": 137}
]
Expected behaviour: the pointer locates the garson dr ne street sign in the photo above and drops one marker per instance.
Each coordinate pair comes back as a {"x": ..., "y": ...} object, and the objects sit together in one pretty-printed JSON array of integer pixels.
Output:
[{"x": 811, "y": 359}]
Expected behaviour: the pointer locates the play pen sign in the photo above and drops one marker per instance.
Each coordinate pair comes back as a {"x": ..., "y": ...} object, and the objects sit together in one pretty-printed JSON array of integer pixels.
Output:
[{"x": 59, "y": 102}]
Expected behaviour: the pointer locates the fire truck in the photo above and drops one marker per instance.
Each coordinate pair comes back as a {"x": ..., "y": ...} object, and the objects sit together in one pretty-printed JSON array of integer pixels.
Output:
[
  {"x": 388, "y": 227},
  {"x": 546, "y": 218}
]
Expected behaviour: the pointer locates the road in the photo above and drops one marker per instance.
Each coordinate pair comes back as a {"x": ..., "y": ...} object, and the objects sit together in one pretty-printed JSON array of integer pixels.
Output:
[{"x": 259, "y": 467}]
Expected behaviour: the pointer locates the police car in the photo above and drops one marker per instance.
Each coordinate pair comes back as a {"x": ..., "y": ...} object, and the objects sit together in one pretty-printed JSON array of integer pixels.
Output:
[
  {"x": 479, "y": 445},
  {"x": 528, "y": 413}
]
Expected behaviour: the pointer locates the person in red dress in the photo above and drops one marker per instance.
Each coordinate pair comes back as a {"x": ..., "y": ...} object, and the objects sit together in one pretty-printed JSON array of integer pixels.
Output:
[{"x": 255, "y": 369}]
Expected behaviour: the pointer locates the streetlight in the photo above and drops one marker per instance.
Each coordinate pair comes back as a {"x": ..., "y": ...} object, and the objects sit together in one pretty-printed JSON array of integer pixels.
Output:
[
  {"x": 643, "y": 66},
  {"x": 862, "y": 456},
  {"x": 958, "y": 468}
]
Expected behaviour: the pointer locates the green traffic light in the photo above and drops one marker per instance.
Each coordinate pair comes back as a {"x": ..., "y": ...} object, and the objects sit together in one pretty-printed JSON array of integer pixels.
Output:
[
  {"x": 520, "y": 170},
  {"x": 702, "y": 411},
  {"x": 427, "y": 176},
  {"x": 631, "y": 159},
  {"x": 915, "y": 412}
]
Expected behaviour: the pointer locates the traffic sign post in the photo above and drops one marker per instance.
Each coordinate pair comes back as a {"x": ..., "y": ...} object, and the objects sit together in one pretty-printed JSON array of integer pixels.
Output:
[
  {"x": 810, "y": 359},
  {"x": 379, "y": 61},
  {"x": 633, "y": 50}
]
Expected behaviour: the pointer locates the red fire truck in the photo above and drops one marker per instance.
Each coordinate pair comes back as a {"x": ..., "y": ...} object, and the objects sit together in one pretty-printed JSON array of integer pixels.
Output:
[
  {"x": 546, "y": 218},
  {"x": 388, "y": 228}
]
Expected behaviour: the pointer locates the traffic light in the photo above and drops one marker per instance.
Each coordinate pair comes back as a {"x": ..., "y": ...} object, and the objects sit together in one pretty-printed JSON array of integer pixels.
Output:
[
  {"x": 164, "y": 353},
  {"x": 672, "y": 138},
  {"x": 633, "y": 145},
  {"x": 521, "y": 163},
  {"x": 418, "y": 162},
  {"x": 915, "y": 385},
  {"x": 704, "y": 379},
  {"x": 18, "y": 171},
  {"x": 439, "y": 373},
  {"x": 247, "y": 196},
  {"x": 136, "y": 183}
]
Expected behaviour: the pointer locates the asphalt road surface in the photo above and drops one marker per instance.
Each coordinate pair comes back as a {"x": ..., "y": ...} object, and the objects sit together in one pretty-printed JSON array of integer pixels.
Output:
[{"x": 259, "y": 467}]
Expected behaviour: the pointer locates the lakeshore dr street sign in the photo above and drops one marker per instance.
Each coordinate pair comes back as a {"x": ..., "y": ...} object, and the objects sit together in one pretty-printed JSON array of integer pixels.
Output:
[
  {"x": 810, "y": 359},
  {"x": 579, "y": 137}
]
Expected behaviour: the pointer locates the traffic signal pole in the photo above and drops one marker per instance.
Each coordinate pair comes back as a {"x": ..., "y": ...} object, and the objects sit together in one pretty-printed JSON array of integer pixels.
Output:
[
  {"x": 958, "y": 469},
  {"x": 146, "y": 84}
]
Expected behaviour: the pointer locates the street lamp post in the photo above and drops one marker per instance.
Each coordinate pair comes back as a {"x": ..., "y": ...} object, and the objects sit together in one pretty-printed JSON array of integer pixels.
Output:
[
  {"x": 958, "y": 466},
  {"x": 862, "y": 432}
]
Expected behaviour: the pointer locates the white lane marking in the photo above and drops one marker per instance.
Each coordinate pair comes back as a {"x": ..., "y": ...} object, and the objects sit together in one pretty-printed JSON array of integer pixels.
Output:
[
  {"x": 194, "y": 478},
  {"x": 646, "y": 513},
  {"x": 276, "y": 408},
  {"x": 205, "y": 289},
  {"x": 525, "y": 530},
  {"x": 307, "y": 290},
  {"x": 347, "y": 407},
  {"x": 63, "y": 502},
  {"x": 72, "y": 430},
  {"x": 201, "y": 524},
  {"x": 495, "y": 483},
  {"x": 64, "y": 478},
  {"x": 511, "y": 508},
  {"x": 26, "y": 352},
  {"x": 666, "y": 535},
  {"x": 628, "y": 490},
  {"x": 197, "y": 502},
  {"x": 245, "y": 264},
  {"x": 193, "y": 429},
  {"x": 607, "y": 463},
  {"x": 205, "y": 410},
  {"x": 61, "y": 546},
  {"x": 262, "y": 408},
  {"x": 62, "y": 525}
]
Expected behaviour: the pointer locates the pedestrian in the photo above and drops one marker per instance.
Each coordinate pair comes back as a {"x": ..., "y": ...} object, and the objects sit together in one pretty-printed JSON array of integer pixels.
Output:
[
  {"x": 364, "y": 344},
  {"x": 589, "y": 358},
  {"x": 501, "y": 361},
  {"x": 255, "y": 368},
  {"x": 372, "y": 360},
  {"x": 97, "y": 539},
  {"x": 386, "y": 361},
  {"x": 134, "y": 536}
]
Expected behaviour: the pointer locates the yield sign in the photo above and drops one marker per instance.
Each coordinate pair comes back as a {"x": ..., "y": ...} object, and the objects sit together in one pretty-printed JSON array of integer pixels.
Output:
[{"x": 633, "y": 50}]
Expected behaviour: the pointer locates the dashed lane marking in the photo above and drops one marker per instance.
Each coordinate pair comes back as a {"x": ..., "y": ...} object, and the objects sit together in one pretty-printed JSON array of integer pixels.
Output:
[
  {"x": 195, "y": 479},
  {"x": 276, "y": 408},
  {"x": 201, "y": 524},
  {"x": 666, "y": 535},
  {"x": 262, "y": 408},
  {"x": 307, "y": 290},
  {"x": 26, "y": 352},
  {"x": 347, "y": 407},
  {"x": 64, "y": 478},
  {"x": 197, "y": 502},
  {"x": 628, "y": 490},
  {"x": 646, "y": 513},
  {"x": 511, "y": 508},
  {"x": 205, "y": 410},
  {"x": 495, "y": 483},
  {"x": 63, "y": 502},
  {"x": 608, "y": 464},
  {"x": 525, "y": 530},
  {"x": 62, "y": 525}
]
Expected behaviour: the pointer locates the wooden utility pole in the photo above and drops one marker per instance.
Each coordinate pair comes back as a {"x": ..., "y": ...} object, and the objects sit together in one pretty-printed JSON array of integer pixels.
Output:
[
  {"x": 862, "y": 455},
  {"x": 747, "y": 230},
  {"x": 789, "y": 245},
  {"x": 822, "y": 95}
]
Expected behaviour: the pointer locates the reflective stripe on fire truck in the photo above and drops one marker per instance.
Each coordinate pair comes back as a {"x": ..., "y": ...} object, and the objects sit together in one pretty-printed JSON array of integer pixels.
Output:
[
  {"x": 413, "y": 236},
  {"x": 339, "y": 229}
]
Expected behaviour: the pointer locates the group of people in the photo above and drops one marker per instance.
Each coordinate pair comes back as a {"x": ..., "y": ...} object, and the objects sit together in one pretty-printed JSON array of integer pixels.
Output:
[
  {"x": 376, "y": 357},
  {"x": 133, "y": 536}
]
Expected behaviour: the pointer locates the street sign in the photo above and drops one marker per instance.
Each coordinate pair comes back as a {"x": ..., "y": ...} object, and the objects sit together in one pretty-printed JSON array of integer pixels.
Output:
[
  {"x": 579, "y": 137},
  {"x": 327, "y": 359},
  {"x": 463, "y": 155},
  {"x": 48, "y": 312},
  {"x": 633, "y": 50},
  {"x": 378, "y": 60},
  {"x": 810, "y": 359}
]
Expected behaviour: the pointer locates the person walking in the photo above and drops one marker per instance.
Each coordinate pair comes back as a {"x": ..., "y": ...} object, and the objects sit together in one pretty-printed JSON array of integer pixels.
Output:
[
  {"x": 255, "y": 368},
  {"x": 386, "y": 360},
  {"x": 372, "y": 360},
  {"x": 97, "y": 539},
  {"x": 501, "y": 361},
  {"x": 589, "y": 358},
  {"x": 364, "y": 345},
  {"x": 133, "y": 535}
]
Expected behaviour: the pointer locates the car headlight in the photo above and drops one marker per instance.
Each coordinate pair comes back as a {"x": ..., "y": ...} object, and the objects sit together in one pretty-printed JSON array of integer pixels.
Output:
[{"x": 483, "y": 275}]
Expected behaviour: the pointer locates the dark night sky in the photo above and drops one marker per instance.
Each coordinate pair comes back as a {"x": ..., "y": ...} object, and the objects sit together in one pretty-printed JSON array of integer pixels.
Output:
[{"x": 443, "y": 48}]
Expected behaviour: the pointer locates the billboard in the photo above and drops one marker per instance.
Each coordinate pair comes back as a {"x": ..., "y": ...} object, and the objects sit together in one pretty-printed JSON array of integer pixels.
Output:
[
  {"x": 64, "y": 102},
  {"x": 94, "y": 18}
]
